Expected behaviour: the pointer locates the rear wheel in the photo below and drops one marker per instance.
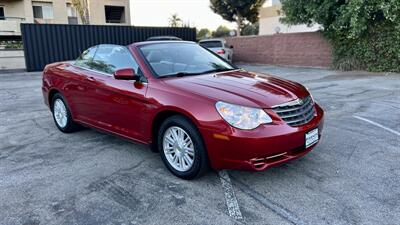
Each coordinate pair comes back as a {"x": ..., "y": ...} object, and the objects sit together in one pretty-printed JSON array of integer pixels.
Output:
[
  {"x": 181, "y": 148},
  {"x": 62, "y": 115}
]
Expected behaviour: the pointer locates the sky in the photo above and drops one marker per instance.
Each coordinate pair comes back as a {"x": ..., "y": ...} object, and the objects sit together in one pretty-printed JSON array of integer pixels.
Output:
[{"x": 195, "y": 12}]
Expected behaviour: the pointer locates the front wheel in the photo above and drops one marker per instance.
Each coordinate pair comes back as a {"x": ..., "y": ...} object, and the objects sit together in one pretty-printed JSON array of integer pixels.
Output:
[
  {"x": 181, "y": 148},
  {"x": 62, "y": 114}
]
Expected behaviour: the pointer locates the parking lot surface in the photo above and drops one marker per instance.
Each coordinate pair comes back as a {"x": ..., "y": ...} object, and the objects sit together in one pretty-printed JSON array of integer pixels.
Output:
[{"x": 88, "y": 177}]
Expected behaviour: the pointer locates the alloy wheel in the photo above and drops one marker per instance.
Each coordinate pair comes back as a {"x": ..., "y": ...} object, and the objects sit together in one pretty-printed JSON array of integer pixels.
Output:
[
  {"x": 178, "y": 148},
  {"x": 60, "y": 113}
]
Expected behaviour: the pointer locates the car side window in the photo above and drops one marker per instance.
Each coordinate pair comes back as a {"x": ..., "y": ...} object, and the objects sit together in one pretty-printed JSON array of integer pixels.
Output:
[
  {"x": 86, "y": 57},
  {"x": 109, "y": 58}
]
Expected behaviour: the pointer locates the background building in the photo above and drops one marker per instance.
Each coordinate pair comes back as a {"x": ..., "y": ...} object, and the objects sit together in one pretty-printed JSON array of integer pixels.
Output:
[
  {"x": 101, "y": 12},
  {"x": 270, "y": 24}
]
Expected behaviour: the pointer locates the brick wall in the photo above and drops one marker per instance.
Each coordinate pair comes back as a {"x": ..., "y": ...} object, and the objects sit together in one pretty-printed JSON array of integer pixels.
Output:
[{"x": 294, "y": 49}]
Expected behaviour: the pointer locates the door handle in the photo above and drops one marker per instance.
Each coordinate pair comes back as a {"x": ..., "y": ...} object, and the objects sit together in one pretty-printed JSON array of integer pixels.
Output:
[{"x": 90, "y": 78}]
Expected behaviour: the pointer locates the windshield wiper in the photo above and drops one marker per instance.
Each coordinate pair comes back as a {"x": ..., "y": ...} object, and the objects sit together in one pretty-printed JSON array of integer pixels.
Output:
[
  {"x": 183, "y": 74},
  {"x": 180, "y": 74},
  {"x": 218, "y": 70}
]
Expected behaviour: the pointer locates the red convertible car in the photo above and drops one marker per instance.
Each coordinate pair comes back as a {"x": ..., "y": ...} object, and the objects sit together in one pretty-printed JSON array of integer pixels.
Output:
[{"x": 189, "y": 104}]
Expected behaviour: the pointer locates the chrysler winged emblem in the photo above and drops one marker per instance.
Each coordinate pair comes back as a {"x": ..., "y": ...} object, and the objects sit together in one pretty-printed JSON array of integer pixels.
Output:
[{"x": 296, "y": 102}]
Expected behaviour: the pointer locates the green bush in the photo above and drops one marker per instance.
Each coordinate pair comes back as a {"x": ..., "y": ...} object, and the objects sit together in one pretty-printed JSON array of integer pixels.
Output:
[
  {"x": 378, "y": 51},
  {"x": 12, "y": 45},
  {"x": 365, "y": 34}
]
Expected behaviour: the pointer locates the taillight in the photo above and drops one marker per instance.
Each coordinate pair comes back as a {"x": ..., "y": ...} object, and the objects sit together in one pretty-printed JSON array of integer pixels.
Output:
[{"x": 221, "y": 52}]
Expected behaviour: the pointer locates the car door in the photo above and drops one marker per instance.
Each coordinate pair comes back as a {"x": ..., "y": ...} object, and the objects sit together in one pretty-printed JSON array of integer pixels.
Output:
[
  {"x": 77, "y": 89},
  {"x": 118, "y": 105}
]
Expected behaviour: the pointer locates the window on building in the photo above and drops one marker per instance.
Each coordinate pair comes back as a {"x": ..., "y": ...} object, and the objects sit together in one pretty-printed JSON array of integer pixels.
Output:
[
  {"x": 42, "y": 10},
  {"x": 115, "y": 14},
  {"x": 72, "y": 14},
  {"x": 2, "y": 13},
  {"x": 37, "y": 12}
]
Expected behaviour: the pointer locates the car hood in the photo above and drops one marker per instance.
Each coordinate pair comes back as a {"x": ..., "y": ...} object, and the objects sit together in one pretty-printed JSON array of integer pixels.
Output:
[{"x": 241, "y": 87}]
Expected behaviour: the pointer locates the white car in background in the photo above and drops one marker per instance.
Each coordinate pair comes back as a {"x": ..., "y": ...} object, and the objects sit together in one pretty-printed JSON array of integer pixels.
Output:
[{"x": 219, "y": 46}]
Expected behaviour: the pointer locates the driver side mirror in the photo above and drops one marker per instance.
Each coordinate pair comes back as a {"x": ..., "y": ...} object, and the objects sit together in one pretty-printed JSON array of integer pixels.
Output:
[
  {"x": 126, "y": 74},
  {"x": 231, "y": 47}
]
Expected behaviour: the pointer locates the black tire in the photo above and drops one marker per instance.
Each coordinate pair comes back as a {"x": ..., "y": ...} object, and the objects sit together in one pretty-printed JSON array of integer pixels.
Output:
[
  {"x": 200, "y": 164},
  {"x": 70, "y": 126}
]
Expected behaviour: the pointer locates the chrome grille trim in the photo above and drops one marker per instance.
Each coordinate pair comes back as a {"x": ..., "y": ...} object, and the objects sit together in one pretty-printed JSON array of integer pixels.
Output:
[{"x": 297, "y": 112}]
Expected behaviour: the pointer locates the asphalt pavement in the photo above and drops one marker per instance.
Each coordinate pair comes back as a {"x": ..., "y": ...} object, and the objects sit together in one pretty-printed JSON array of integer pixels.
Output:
[{"x": 89, "y": 177}]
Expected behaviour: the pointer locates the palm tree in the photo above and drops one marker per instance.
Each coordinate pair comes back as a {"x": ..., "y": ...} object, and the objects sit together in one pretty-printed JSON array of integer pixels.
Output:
[
  {"x": 82, "y": 7},
  {"x": 175, "y": 21}
]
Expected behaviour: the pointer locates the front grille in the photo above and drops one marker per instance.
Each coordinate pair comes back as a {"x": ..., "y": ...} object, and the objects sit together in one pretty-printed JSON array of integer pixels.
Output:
[{"x": 297, "y": 112}]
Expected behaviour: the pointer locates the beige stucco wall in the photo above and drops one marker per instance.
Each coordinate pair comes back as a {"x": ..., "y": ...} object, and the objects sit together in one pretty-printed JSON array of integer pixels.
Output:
[
  {"x": 10, "y": 27},
  {"x": 23, "y": 9},
  {"x": 59, "y": 11},
  {"x": 16, "y": 8},
  {"x": 270, "y": 11},
  {"x": 270, "y": 23},
  {"x": 28, "y": 11},
  {"x": 97, "y": 13},
  {"x": 12, "y": 59}
]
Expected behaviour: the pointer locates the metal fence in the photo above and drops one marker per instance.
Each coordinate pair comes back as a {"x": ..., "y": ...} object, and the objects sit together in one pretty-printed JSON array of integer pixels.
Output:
[{"x": 47, "y": 43}]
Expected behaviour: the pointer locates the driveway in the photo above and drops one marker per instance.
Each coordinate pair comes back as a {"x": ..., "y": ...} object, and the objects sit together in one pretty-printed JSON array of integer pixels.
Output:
[{"x": 88, "y": 177}]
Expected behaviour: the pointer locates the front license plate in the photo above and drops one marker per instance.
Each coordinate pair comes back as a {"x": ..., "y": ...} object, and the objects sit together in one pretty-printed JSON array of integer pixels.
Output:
[{"x": 311, "y": 137}]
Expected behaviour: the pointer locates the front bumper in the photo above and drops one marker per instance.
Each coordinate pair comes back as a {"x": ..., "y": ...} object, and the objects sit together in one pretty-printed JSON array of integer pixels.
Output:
[{"x": 258, "y": 149}]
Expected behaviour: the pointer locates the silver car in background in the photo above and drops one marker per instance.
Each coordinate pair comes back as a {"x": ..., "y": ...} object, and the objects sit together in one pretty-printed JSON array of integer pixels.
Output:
[{"x": 219, "y": 46}]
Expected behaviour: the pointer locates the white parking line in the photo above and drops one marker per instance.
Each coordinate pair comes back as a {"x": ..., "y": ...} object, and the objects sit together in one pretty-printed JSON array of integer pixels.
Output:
[
  {"x": 377, "y": 124},
  {"x": 230, "y": 197}
]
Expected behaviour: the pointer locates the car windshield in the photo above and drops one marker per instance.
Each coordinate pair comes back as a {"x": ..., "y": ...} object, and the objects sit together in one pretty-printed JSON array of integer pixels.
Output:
[
  {"x": 211, "y": 44},
  {"x": 180, "y": 59}
]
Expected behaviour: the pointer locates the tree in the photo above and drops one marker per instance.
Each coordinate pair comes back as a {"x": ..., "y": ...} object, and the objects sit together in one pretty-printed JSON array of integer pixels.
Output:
[
  {"x": 203, "y": 33},
  {"x": 81, "y": 7},
  {"x": 250, "y": 29},
  {"x": 175, "y": 21},
  {"x": 239, "y": 11},
  {"x": 365, "y": 33},
  {"x": 221, "y": 31}
]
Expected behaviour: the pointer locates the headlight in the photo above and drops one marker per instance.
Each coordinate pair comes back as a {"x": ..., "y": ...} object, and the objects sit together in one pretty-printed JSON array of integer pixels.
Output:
[{"x": 242, "y": 117}]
